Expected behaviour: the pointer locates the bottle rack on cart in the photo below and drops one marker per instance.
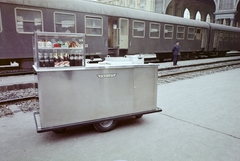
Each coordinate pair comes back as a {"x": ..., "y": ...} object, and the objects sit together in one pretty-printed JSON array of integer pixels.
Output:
[{"x": 59, "y": 49}]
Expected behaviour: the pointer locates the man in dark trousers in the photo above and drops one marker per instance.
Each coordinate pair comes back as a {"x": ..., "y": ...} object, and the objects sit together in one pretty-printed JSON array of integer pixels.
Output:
[{"x": 176, "y": 53}]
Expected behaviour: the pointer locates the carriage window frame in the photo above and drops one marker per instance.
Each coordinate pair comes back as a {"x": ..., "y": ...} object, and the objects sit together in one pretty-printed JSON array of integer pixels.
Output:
[
  {"x": 236, "y": 37},
  {"x": 220, "y": 35},
  {"x": 151, "y": 30},
  {"x": 0, "y": 21},
  {"x": 231, "y": 37},
  {"x": 198, "y": 34},
  {"x": 166, "y": 31},
  {"x": 90, "y": 17},
  {"x": 225, "y": 36},
  {"x": 191, "y": 35},
  {"x": 28, "y": 21},
  {"x": 182, "y": 33},
  {"x": 135, "y": 28},
  {"x": 61, "y": 23}
]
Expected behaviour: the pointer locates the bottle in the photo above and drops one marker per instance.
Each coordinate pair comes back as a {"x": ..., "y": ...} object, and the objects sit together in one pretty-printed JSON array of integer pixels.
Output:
[
  {"x": 60, "y": 57},
  {"x": 51, "y": 60},
  {"x": 46, "y": 60},
  {"x": 65, "y": 57},
  {"x": 80, "y": 60},
  {"x": 76, "y": 60},
  {"x": 55, "y": 59},
  {"x": 41, "y": 59},
  {"x": 71, "y": 59}
]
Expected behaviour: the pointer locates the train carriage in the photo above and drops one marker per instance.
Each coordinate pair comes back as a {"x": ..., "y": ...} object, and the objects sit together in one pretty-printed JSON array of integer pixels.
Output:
[
  {"x": 223, "y": 39},
  {"x": 110, "y": 30}
]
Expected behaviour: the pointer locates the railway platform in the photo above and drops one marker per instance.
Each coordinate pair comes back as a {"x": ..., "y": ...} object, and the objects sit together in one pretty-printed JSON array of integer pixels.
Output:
[
  {"x": 25, "y": 81},
  {"x": 197, "y": 61},
  {"x": 200, "y": 121}
]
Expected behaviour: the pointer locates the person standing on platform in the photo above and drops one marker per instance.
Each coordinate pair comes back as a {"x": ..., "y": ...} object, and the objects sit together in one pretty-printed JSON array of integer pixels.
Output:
[{"x": 176, "y": 53}]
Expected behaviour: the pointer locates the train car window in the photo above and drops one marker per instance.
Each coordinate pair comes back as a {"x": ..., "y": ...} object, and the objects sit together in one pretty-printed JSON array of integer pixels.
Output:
[
  {"x": 64, "y": 22},
  {"x": 191, "y": 33},
  {"x": 198, "y": 34},
  {"x": 93, "y": 26},
  {"x": 231, "y": 37},
  {"x": 28, "y": 20},
  {"x": 0, "y": 22},
  {"x": 236, "y": 37},
  {"x": 154, "y": 31},
  {"x": 138, "y": 29},
  {"x": 180, "y": 32},
  {"x": 168, "y": 31},
  {"x": 215, "y": 38},
  {"x": 225, "y": 36},
  {"x": 221, "y": 36}
]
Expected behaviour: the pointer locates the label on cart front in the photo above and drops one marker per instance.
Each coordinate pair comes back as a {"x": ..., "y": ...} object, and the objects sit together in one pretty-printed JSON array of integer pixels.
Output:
[{"x": 110, "y": 75}]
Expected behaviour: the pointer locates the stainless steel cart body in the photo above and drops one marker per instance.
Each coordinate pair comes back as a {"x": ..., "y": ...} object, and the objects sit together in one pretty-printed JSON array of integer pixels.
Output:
[
  {"x": 86, "y": 95},
  {"x": 79, "y": 94}
]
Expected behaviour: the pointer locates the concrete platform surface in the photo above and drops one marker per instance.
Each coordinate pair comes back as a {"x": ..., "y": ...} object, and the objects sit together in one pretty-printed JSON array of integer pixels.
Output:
[
  {"x": 22, "y": 79},
  {"x": 197, "y": 61},
  {"x": 199, "y": 122},
  {"x": 206, "y": 113}
]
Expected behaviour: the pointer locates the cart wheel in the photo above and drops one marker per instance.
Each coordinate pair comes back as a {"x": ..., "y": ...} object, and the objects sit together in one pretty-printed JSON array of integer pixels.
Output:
[
  {"x": 138, "y": 116},
  {"x": 59, "y": 131},
  {"x": 105, "y": 126}
]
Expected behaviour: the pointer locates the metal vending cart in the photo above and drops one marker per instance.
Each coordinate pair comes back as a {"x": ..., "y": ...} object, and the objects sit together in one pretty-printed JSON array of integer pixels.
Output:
[{"x": 72, "y": 92}]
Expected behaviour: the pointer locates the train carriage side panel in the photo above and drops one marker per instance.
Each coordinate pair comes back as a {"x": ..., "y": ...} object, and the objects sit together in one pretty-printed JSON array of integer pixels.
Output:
[
  {"x": 223, "y": 38},
  {"x": 213, "y": 42},
  {"x": 14, "y": 45},
  {"x": 153, "y": 37},
  {"x": 96, "y": 30},
  {"x": 138, "y": 36},
  {"x": 188, "y": 32},
  {"x": 48, "y": 19},
  {"x": 195, "y": 40},
  {"x": 167, "y": 39},
  {"x": 97, "y": 36},
  {"x": 190, "y": 41},
  {"x": 93, "y": 25},
  {"x": 237, "y": 40},
  {"x": 1, "y": 33}
]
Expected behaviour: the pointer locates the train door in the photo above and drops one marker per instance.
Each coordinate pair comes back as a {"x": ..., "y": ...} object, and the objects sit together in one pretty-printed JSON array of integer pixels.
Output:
[
  {"x": 117, "y": 36},
  {"x": 216, "y": 39},
  {"x": 204, "y": 39},
  {"x": 112, "y": 32},
  {"x": 123, "y": 33}
]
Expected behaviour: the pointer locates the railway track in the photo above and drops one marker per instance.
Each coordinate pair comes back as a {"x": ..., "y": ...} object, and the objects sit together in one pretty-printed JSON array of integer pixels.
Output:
[
  {"x": 4, "y": 72},
  {"x": 167, "y": 75},
  {"x": 24, "y": 104},
  {"x": 17, "y": 100}
]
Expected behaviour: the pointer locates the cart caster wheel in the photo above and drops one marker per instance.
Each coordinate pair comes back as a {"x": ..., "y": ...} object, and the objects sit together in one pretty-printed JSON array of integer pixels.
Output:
[
  {"x": 59, "y": 131},
  {"x": 105, "y": 126},
  {"x": 138, "y": 116}
]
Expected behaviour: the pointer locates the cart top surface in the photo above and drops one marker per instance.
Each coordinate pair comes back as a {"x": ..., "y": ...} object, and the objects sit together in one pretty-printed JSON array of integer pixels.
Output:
[{"x": 97, "y": 67}]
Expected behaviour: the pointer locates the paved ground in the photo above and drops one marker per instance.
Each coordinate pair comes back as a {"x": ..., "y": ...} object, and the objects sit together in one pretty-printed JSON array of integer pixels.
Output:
[{"x": 199, "y": 122}]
